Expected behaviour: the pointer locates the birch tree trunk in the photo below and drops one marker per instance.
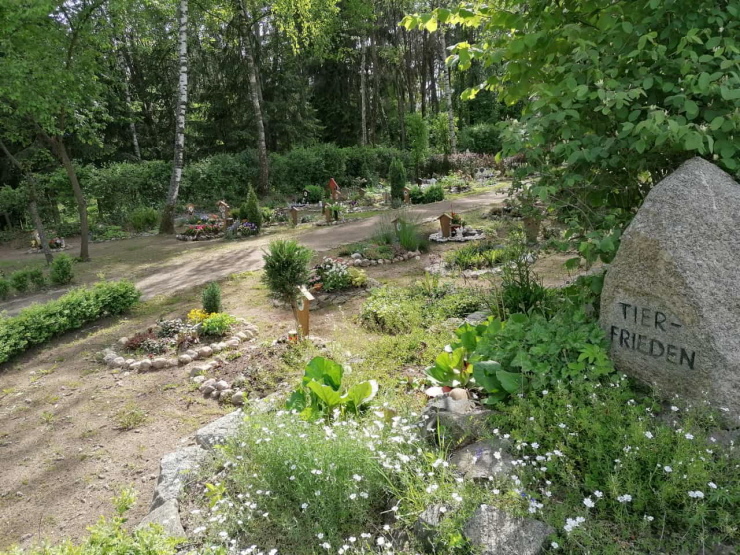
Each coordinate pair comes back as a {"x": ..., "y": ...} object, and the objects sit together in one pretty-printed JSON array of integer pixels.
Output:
[
  {"x": 363, "y": 93},
  {"x": 255, "y": 95},
  {"x": 167, "y": 225},
  {"x": 447, "y": 87},
  {"x": 32, "y": 205}
]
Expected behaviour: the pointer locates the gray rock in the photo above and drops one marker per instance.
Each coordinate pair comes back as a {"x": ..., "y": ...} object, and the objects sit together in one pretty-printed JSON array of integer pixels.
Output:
[
  {"x": 198, "y": 379},
  {"x": 199, "y": 370},
  {"x": 272, "y": 402},
  {"x": 208, "y": 383},
  {"x": 356, "y": 256},
  {"x": 166, "y": 515},
  {"x": 192, "y": 353},
  {"x": 117, "y": 362},
  {"x": 173, "y": 470},
  {"x": 670, "y": 305},
  {"x": 494, "y": 532},
  {"x": 221, "y": 385},
  {"x": 241, "y": 335},
  {"x": 159, "y": 363},
  {"x": 237, "y": 398},
  {"x": 215, "y": 394},
  {"x": 483, "y": 459},
  {"x": 145, "y": 365},
  {"x": 135, "y": 366},
  {"x": 458, "y": 394},
  {"x": 184, "y": 359},
  {"x": 205, "y": 352},
  {"x": 232, "y": 343},
  {"x": 218, "y": 431},
  {"x": 427, "y": 524},
  {"x": 459, "y": 421},
  {"x": 216, "y": 347},
  {"x": 122, "y": 342},
  {"x": 477, "y": 317}
]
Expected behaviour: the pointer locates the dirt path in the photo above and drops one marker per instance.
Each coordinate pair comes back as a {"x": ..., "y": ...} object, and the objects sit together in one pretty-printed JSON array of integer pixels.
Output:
[{"x": 184, "y": 265}]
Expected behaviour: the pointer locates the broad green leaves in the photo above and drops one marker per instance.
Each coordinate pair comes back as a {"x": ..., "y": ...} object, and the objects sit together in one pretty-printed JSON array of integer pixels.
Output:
[{"x": 320, "y": 395}]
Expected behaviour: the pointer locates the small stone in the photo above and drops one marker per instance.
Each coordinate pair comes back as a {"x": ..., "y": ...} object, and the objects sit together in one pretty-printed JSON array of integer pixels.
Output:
[
  {"x": 216, "y": 347},
  {"x": 207, "y": 390},
  {"x": 225, "y": 395},
  {"x": 192, "y": 354},
  {"x": 184, "y": 359},
  {"x": 232, "y": 343},
  {"x": 159, "y": 363},
  {"x": 458, "y": 394},
  {"x": 221, "y": 385},
  {"x": 198, "y": 379},
  {"x": 484, "y": 459},
  {"x": 122, "y": 342},
  {"x": 167, "y": 516},
  {"x": 145, "y": 365},
  {"x": 215, "y": 395},
  {"x": 417, "y": 258},
  {"x": 199, "y": 370},
  {"x": 238, "y": 398},
  {"x": 241, "y": 335},
  {"x": 357, "y": 263},
  {"x": 208, "y": 383},
  {"x": 172, "y": 362},
  {"x": 130, "y": 361},
  {"x": 205, "y": 352},
  {"x": 427, "y": 524},
  {"x": 117, "y": 362},
  {"x": 357, "y": 256}
]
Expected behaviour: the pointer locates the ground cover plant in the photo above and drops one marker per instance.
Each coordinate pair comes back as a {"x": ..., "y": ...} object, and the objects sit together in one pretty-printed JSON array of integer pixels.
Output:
[
  {"x": 40, "y": 323},
  {"x": 476, "y": 255}
]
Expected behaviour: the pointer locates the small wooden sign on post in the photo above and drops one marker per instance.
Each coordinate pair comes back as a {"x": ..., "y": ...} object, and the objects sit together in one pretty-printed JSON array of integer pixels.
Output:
[
  {"x": 223, "y": 209},
  {"x": 302, "y": 309},
  {"x": 294, "y": 215},
  {"x": 406, "y": 195},
  {"x": 445, "y": 225}
]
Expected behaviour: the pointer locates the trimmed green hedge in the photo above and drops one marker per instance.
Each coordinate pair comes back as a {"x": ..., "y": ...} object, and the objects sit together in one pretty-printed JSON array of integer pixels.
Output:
[{"x": 40, "y": 323}]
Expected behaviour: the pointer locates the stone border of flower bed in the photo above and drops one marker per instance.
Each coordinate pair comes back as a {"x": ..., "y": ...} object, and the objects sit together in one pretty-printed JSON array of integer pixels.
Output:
[
  {"x": 439, "y": 238},
  {"x": 114, "y": 360},
  {"x": 190, "y": 238},
  {"x": 359, "y": 260}
]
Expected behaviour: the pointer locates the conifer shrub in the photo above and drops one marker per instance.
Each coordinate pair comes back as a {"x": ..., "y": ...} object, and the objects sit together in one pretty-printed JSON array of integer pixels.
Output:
[
  {"x": 397, "y": 177},
  {"x": 250, "y": 210},
  {"x": 212, "y": 298}
]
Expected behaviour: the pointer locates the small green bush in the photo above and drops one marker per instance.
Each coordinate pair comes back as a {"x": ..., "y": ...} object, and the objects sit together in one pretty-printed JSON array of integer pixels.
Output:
[
  {"x": 143, "y": 218},
  {"x": 397, "y": 177},
  {"x": 61, "y": 270},
  {"x": 19, "y": 281},
  {"x": 522, "y": 290},
  {"x": 476, "y": 256},
  {"x": 4, "y": 288},
  {"x": 410, "y": 236},
  {"x": 250, "y": 210},
  {"x": 39, "y": 323},
  {"x": 416, "y": 195},
  {"x": 212, "y": 298},
  {"x": 391, "y": 310},
  {"x": 218, "y": 324},
  {"x": 286, "y": 268},
  {"x": 37, "y": 278},
  {"x": 315, "y": 193},
  {"x": 483, "y": 138},
  {"x": 435, "y": 193}
]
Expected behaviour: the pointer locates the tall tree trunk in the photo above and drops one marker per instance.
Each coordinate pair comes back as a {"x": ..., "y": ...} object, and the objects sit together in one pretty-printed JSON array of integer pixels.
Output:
[
  {"x": 32, "y": 205},
  {"x": 423, "y": 74},
  {"x": 363, "y": 93},
  {"x": 447, "y": 86},
  {"x": 264, "y": 177},
  {"x": 127, "y": 96},
  {"x": 167, "y": 225}
]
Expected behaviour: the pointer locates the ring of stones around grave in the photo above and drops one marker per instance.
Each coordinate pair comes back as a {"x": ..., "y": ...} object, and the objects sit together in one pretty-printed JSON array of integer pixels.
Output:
[
  {"x": 359, "y": 260},
  {"x": 113, "y": 360}
]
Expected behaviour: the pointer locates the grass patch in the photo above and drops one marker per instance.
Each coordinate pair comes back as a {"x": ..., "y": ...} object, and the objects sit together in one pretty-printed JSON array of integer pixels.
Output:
[{"x": 129, "y": 417}]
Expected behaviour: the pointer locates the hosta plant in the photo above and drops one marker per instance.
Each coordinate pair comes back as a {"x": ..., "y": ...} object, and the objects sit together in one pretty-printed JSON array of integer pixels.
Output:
[{"x": 319, "y": 394}]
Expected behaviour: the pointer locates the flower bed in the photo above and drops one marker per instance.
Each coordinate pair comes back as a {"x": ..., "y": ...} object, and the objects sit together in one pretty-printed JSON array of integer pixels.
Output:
[
  {"x": 459, "y": 235},
  {"x": 202, "y": 232}
]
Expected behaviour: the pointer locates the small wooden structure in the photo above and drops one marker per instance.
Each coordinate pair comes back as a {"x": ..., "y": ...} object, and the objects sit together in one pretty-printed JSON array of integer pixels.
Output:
[
  {"x": 406, "y": 195},
  {"x": 294, "y": 215},
  {"x": 445, "y": 225},
  {"x": 333, "y": 189},
  {"x": 302, "y": 309},
  {"x": 223, "y": 209}
]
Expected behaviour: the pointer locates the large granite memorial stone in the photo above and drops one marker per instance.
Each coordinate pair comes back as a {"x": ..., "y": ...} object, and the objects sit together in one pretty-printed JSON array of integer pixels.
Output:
[{"x": 671, "y": 299}]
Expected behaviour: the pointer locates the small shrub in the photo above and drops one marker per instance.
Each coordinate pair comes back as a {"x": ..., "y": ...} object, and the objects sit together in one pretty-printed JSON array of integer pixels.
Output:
[
  {"x": 4, "y": 288},
  {"x": 37, "y": 278},
  {"x": 19, "y": 281},
  {"x": 212, "y": 298},
  {"x": 315, "y": 193},
  {"x": 218, "y": 324},
  {"x": 61, "y": 270},
  {"x": 143, "y": 218},
  {"x": 170, "y": 328},
  {"x": 397, "y": 177},
  {"x": 136, "y": 342},
  {"x": 435, "y": 193},
  {"x": 250, "y": 210},
  {"x": 196, "y": 316},
  {"x": 476, "y": 256},
  {"x": 416, "y": 195},
  {"x": 286, "y": 268},
  {"x": 391, "y": 310},
  {"x": 357, "y": 276},
  {"x": 522, "y": 290}
]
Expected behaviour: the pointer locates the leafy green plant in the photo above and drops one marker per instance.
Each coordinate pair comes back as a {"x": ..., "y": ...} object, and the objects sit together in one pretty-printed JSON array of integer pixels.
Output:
[
  {"x": 286, "y": 268},
  {"x": 397, "y": 177},
  {"x": 37, "y": 278},
  {"x": 143, "y": 218},
  {"x": 315, "y": 193},
  {"x": 39, "y": 323},
  {"x": 217, "y": 324},
  {"x": 4, "y": 288},
  {"x": 522, "y": 290},
  {"x": 319, "y": 395},
  {"x": 250, "y": 210},
  {"x": 476, "y": 256},
  {"x": 391, "y": 310},
  {"x": 357, "y": 276},
  {"x": 212, "y": 298},
  {"x": 531, "y": 353},
  {"x": 61, "y": 270},
  {"x": 19, "y": 280},
  {"x": 434, "y": 193}
]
